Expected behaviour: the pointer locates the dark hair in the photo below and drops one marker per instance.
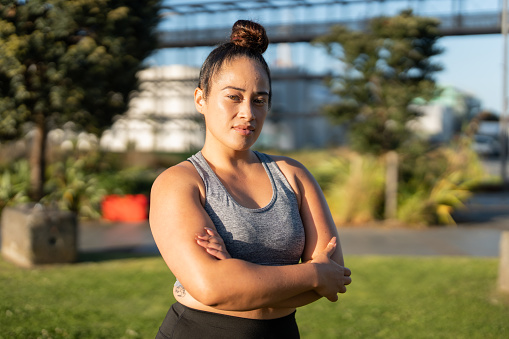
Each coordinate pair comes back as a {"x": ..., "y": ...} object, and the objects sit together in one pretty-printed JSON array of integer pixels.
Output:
[{"x": 247, "y": 39}]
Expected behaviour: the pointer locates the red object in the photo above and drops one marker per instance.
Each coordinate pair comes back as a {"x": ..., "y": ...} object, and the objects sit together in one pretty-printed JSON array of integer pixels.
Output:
[{"x": 129, "y": 208}]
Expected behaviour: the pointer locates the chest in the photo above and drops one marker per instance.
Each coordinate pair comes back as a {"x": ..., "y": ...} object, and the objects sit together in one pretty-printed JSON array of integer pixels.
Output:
[
  {"x": 271, "y": 235},
  {"x": 251, "y": 189}
]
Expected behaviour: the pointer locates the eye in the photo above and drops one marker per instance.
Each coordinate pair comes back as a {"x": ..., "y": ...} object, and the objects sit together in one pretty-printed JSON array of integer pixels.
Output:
[
  {"x": 260, "y": 101},
  {"x": 233, "y": 97}
]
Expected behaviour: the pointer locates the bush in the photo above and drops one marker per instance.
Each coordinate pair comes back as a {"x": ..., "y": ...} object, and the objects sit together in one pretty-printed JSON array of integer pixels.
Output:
[
  {"x": 432, "y": 183},
  {"x": 356, "y": 193},
  {"x": 132, "y": 180},
  {"x": 14, "y": 184},
  {"x": 73, "y": 187},
  {"x": 437, "y": 182},
  {"x": 80, "y": 182}
]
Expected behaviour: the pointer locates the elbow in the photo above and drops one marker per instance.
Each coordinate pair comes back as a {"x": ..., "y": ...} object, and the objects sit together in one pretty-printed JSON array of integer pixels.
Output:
[
  {"x": 207, "y": 293},
  {"x": 221, "y": 297},
  {"x": 209, "y": 297}
]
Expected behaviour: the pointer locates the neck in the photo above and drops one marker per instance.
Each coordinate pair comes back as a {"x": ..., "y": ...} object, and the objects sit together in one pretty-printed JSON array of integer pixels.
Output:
[{"x": 228, "y": 159}]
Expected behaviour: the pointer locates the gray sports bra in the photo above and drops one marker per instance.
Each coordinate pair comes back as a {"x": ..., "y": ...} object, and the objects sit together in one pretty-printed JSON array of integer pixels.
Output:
[{"x": 270, "y": 235}]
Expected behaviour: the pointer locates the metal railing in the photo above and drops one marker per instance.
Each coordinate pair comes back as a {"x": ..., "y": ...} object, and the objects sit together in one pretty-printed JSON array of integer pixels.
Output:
[{"x": 464, "y": 24}]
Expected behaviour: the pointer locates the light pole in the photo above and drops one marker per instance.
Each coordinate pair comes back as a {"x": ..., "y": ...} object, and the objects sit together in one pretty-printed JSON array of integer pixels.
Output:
[{"x": 503, "y": 116}]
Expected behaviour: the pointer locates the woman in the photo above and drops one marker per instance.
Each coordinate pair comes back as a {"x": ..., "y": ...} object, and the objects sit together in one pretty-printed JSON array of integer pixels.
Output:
[{"x": 248, "y": 236}]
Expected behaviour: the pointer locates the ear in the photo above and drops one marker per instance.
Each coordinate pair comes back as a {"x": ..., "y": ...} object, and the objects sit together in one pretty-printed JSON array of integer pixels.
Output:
[{"x": 199, "y": 99}]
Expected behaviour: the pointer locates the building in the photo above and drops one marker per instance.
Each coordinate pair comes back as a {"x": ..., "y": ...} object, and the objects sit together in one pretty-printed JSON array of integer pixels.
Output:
[
  {"x": 295, "y": 120},
  {"x": 446, "y": 114},
  {"x": 161, "y": 116}
]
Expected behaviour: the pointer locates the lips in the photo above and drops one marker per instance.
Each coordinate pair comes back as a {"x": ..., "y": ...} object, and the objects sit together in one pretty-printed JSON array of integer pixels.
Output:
[{"x": 244, "y": 129}]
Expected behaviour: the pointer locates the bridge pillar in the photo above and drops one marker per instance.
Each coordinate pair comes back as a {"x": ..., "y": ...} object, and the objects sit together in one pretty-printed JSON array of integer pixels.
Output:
[{"x": 503, "y": 271}]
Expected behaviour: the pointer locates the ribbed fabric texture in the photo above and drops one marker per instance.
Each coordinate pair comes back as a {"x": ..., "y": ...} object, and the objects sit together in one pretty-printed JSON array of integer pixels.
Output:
[{"x": 271, "y": 235}]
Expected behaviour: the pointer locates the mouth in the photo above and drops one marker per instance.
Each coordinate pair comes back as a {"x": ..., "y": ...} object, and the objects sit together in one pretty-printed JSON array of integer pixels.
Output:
[{"x": 244, "y": 129}]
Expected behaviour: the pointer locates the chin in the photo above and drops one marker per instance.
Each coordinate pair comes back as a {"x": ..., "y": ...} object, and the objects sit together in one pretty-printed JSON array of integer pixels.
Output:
[
  {"x": 242, "y": 145},
  {"x": 244, "y": 148}
]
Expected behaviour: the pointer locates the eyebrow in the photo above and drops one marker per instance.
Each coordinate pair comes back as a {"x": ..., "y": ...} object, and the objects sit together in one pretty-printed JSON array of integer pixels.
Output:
[{"x": 243, "y": 90}]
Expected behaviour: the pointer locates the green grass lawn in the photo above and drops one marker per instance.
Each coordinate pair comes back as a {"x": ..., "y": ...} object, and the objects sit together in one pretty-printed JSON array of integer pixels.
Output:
[{"x": 390, "y": 297}]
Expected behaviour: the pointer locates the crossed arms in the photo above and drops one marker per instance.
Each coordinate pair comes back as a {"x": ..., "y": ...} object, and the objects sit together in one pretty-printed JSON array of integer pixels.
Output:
[{"x": 177, "y": 219}]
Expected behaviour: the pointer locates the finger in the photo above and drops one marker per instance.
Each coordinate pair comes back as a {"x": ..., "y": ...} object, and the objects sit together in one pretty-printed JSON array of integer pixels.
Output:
[
  {"x": 208, "y": 244},
  {"x": 216, "y": 240},
  {"x": 331, "y": 247},
  {"x": 207, "y": 232},
  {"x": 210, "y": 231},
  {"x": 347, "y": 272},
  {"x": 348, "y": 281},
  {"x": 212, "y": 245},
  {"x": 212, "y": 235},
  {"x": 202, "y": 235},
  {"x": 218, "y": 254},
  {"x": 216, "y": 246},
  {"x": 208, "y": 238},
  {"x": 212, "y": 240},
  {"x": 333, "y": 298},
  {"x": 202, "y": 243}
]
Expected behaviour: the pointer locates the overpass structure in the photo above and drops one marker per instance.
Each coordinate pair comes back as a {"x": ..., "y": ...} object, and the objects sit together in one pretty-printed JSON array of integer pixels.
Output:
[
  {"x": 164, "y": 109},
  {"x": 194, "y": 24}
]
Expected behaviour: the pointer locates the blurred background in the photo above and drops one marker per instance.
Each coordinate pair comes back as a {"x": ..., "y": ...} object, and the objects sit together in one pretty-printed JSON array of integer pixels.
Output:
[
  {"x": 101, "y": 109},
  {"x": 397, "y": 107}
]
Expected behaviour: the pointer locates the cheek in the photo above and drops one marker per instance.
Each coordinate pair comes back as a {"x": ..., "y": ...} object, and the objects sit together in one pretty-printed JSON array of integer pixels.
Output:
[{"x": 262, "y": 113}]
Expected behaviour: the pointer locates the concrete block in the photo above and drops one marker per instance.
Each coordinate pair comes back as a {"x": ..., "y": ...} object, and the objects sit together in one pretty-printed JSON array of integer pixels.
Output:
[
  {"x": 34, "y": 235},
  {"x": 503, "y": 270}
]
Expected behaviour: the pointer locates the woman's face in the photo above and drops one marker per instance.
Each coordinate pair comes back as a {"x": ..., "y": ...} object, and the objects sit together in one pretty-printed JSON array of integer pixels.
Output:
[{"x": 236, "y": 105}]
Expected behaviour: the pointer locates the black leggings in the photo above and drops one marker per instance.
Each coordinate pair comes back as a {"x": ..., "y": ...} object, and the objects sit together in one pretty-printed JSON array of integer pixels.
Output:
[{"x": 184, "y": 322}]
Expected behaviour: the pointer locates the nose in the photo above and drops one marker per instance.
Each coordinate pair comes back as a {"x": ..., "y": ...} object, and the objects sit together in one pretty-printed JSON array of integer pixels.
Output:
[{"x": 247, "y": 111}]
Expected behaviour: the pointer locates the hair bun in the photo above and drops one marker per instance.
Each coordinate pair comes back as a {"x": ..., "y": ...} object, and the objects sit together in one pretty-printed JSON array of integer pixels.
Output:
[{"x": 249, "y": 34}]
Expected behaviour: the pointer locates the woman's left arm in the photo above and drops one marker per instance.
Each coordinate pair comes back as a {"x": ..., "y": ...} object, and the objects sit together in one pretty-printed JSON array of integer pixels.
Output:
[
  {"x": 314, "y": 210},
  {"x": 316, "y": 217}
]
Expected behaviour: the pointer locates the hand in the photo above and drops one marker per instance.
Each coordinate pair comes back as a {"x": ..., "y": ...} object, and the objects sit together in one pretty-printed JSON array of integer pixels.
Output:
[
  {"x": 213, "y": 244},
  {"x": 332, "y": 277}
]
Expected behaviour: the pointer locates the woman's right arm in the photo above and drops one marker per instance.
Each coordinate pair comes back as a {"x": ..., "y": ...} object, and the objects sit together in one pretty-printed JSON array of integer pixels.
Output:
[{"x": 177, "y": 215}]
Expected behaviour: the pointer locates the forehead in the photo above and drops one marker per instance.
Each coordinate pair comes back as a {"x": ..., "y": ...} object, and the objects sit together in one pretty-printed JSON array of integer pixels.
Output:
[{"x": 242, "y": 71}]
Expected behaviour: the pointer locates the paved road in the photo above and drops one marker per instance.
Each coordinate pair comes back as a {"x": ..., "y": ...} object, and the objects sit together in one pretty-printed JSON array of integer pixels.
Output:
[{"x": 480, "y": 224}]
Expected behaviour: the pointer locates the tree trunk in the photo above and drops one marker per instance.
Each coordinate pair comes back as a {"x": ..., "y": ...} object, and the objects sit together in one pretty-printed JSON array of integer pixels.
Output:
[
  {"x": 38, "y": 160},
  {"x": 391, "y": 185}
]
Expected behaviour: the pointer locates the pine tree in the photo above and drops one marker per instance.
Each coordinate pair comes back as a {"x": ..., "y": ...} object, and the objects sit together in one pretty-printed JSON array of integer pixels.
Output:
[
  {"x": 69, "y": 61},
  {"x": 386, "y": 68}
]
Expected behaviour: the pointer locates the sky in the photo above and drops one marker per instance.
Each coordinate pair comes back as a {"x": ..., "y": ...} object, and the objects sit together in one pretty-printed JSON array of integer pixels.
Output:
[{"x": 474, "y": 64}]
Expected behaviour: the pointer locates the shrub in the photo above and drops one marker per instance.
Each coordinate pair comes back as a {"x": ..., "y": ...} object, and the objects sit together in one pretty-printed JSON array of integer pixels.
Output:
[
  {"x": 72, "y": 187},
  {"x": 14, "y": 183},
  {"x": 356, "y": 193},
  {"x": 437, "y": 182},
  {"x": 432, "y": 182},
  {"x": 79, "y": 183},
  {"x": 131, "y": 180}
]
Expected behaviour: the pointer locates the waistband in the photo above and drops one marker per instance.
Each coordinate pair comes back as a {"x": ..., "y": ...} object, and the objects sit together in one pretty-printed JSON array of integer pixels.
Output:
[{"x": 213, "y": 317}]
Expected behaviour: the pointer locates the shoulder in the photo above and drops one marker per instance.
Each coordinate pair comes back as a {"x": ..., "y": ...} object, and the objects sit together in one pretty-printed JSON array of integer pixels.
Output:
[
  {"x": 297, "y": 175},
  {"x": 176, "y": 180},
  {"x": 290, "y": 167},
  {"x": 183, "y": 172}
]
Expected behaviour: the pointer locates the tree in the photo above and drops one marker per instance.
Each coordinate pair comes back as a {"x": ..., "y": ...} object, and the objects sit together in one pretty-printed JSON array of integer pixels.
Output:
[
  {"x": 69, "y": 61},
  {"x": 386, "y": 68}
]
